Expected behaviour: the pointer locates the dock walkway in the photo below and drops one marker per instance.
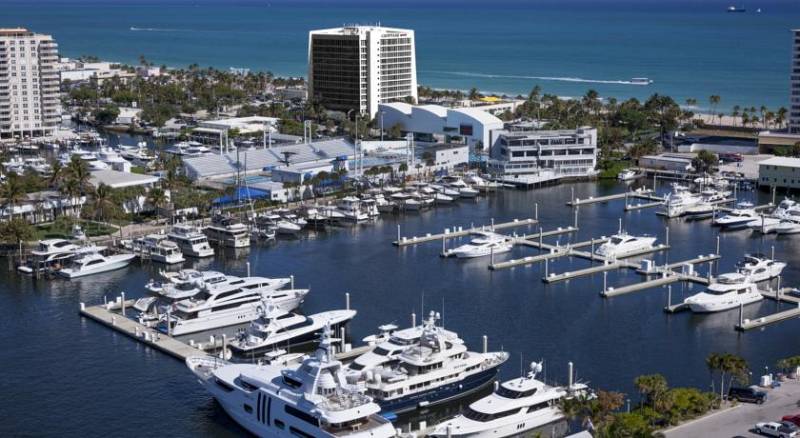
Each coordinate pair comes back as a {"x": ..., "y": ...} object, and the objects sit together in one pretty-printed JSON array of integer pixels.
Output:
[{"x": 460, "y": 232}]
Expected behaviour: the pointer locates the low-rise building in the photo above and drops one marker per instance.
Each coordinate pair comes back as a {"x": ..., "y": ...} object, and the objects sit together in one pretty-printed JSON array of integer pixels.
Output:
[
  {"x": 214, "y": 131},
  {"x": 435, "y": 124},
  {"x": 527, "y": 158},
  {"x": 673, "y": 163},
  {"x": 41, "y": 207},
  {"x": 782, "y": 172},
  {"x": 446, "y": 156}
]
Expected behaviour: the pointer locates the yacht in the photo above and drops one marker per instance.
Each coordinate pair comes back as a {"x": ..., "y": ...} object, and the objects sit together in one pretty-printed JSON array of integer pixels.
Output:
[
  {"x": 441, "y": 198},
  {"x": 278, "y": 328},
  {"x": 787, "y": 209},
  {"x": 758, "y": 267},
  {"x": 641, "y": 81},
  {"x": 238, "y": 301},
  {"x": 350, "y": 207},
  {"x": 191, "y": 241},
  {"x": 516, "y": 407},
  {"x": 676, "y": 202},
  {"x": 113, "y": 159},
  {"x": 138, "y": 154},
  {"x": 95, "y": 263},
  {"x": 311, "y": 400},
  {"x": 228, "y": 231},
  {"x": 188, "y": 149},
  {"x": 54, "y": 254},
  {"x": 383, "y": 204},
  {"x": 387, "y": 346},
  {"x": 287, "y": 228},
  {"x": 158, "y": 248},
  {"x": 622, "y": 244},
  {"x": 787, "y": 227},
  {"x": 627, "y": 175},
  {"x": 730, "y": 291},
  {"x": 484, "y": 243},
  {"x": 739, "y": 217},
  {"x": 464, "y": 190}
]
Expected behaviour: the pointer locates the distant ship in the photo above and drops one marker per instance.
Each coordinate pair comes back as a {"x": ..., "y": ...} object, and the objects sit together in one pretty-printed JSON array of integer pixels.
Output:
[
  {"x": 735, "y": 9},
  {"x": 641, "y": 81}
]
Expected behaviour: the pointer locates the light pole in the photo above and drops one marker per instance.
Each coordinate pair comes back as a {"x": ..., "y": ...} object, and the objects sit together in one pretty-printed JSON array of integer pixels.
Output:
[{"x": 381, "y": 113}]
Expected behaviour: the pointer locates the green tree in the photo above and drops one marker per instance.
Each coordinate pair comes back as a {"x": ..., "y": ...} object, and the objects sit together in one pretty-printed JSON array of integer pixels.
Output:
[
  {"x": 12, "y": 191},
  {"x": 16, "y": 231},
  {"x": 106, "y": 115},
  {"x": 103, "y": 203}
]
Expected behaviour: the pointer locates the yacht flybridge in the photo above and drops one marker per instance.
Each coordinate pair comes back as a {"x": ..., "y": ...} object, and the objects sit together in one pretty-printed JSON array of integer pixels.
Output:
[
  {"x": 758, "y": 267},
  {"x": 387, "y": 346},
  {"x": 228, "y": 231},
  {"x": 157, "y": 247},
  {"x": 729, "y": 292},
  {"x": 435, "y": 369},
  {"x": 54, "y": 254},
  {"x": 483, "y": 244},
  {"x": 676, "y": 202},
  {"x": 517, "y": 406},
  {"x": 312, "y": 400}
]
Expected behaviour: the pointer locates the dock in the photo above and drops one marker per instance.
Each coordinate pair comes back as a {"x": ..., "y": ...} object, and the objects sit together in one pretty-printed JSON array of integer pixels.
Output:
[
  {"x": 778, "y": 295},
  {"x": 640, "y": 194},
  {"x": 666, "y": 276},
  {"x": 458, "y": 231}
]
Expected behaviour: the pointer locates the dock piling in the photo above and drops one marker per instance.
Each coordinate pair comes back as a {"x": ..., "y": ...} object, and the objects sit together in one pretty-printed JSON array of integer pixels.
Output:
[
  {"x": 577, "y": 208},
  {"x": 398, "y": 232},
  {"x": 485, "y": 344},
  {"x": 492, "y": 224},
  {"x": 669, "y": 295},
  {"x": 717, "y": 244},
  {"x": 413, "y": 319},
  {"x": 605, "y": 281},
  {"x": 741, "y": 312},
  {"x": 536, "y": 211},
  {"x": 347, "y": 300},
  {"x": 666, "y": 233},
  {"x": 540, "y": 237},
  {"x": 572, "y": 194},
  {"x": 122, "y": 303},
  {"x": 491, "y": 255},
  {"x": 772, "y": 252},
  {"x": 248, "y": 269},
  {"x": 291, "y": 277}
]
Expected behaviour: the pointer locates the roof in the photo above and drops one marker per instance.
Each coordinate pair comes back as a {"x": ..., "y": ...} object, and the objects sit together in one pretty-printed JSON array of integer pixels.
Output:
[
  {"x": 116, "y": 179},
  {"x": 479, "y": 115},
  {"x": 666, "y": 158},
  {"x": 402, "y": 107},
  {"x": 242, "y": 194},
  {"x": 781, "y": 161}
]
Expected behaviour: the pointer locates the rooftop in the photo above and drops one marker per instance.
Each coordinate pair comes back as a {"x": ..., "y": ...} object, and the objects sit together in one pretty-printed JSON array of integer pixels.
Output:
[
  {"x": 116, "y": 179},
  {"x": 781, "y": 161}
]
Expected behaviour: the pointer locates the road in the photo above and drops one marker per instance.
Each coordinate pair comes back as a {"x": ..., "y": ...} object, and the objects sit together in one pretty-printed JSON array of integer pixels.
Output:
[{"x": 739, "y": 420}]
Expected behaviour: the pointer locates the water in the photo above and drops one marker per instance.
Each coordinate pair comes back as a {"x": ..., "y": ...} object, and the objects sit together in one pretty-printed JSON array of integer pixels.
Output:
[
  {"x": 690, "y": 48},
  {"x": 67, "y": 375}
]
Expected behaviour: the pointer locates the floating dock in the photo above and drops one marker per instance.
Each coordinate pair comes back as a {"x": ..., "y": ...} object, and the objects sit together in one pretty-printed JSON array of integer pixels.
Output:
[
  {"x": 778, "y": 295},
  {"x": 460, "y": 232},
  {"x": 639, "y": 194}
]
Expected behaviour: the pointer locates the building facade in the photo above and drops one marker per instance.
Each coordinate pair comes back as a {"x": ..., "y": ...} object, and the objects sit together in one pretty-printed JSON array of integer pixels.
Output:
[
  {"x": 534, "y": 157},
  {"x": 782, "y": 172},
  {"x": 359, "y": 67},
  {"x": 29, "y": 84},
  {"x": 794, "y": 112}
]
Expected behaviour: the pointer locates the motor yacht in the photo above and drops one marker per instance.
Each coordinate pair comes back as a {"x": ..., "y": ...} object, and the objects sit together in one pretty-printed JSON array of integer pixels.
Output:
[
  {"x": 441, "y": 198},
  {"x": 350, "y": 207},
  {"x": 677, "y": 201},
  {"x": 311, "y": 400},
  {"x": 787, "y": 227},
  {"x": 730, "y": 291},
  {"x": 54, "y": 254},
  {"x": 384, "y": 205},
  {"x": 765, "y": 224},
  {"x": 138, "y": 154},
  {"x": 387, "y": 346},
  {"x": 483, "y": 244},
  {"x": 515, "y": 408},
  {"x": 433, "y": 370},
  {"x": 737, "y": 218},
  {"x": 276, "y": 328},
  {"x": 95, "y": 263},
  {"x": 188, "y": 149},
  {"x": 228, "y": 231},
  {"x": 627, "y": 175},
  {"x": 758, "y": 267},
  {"x": 623, "y": 244},
  {"x": 157, "y": 247},
  {"x": 191, "y": 241},
  {"x": 238, "y": 301}
]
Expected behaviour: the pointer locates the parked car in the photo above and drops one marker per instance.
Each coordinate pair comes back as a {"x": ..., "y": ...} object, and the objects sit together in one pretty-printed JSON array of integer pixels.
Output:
[
  {"x": 794, "y": 419},
  {"x": 749, "y": 395},
  {"x": 775, "y": 429}
]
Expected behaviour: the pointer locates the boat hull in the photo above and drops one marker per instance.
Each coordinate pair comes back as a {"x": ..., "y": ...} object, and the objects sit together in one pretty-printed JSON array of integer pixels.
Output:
[
  {"x": 119, "y": 264},
  {"x": 721, "y": 306}
]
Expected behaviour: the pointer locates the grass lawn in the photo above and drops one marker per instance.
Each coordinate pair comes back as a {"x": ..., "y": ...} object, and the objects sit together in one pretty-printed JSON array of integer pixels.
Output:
[{"x": 55, "y": 231}]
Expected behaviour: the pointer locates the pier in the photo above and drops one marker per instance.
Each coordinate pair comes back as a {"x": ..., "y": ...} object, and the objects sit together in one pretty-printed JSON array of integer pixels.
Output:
[
  {"x": 667, "y": 276},
  {"x": 460, "y": 232},
  {"x": 780, "y": 295},
  {"x": 639, "y": 194}
]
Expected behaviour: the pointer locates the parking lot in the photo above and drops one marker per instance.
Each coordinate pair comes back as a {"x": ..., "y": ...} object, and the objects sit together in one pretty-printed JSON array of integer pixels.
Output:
[{"x": 739, "y": 420}]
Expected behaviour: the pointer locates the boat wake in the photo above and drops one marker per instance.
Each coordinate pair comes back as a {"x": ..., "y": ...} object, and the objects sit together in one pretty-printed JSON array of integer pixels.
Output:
[
  {"x": 154, "y": 29},
  {"x": 540, "y": 78}
]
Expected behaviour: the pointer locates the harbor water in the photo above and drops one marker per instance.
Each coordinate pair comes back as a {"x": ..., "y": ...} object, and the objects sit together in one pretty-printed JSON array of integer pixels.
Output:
[{"x": 68, "y": 375}]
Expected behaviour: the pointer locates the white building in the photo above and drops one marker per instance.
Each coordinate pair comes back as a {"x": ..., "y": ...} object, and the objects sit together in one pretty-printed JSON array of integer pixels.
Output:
[
  {"x": 779, "y": 172},
  {"x": 671, "y": 163},
  {"x": 215, "y": 131},
  {"x": 794, "y": 112},
  {"x": 534, "y": 157},
  {"x": 359, "y": 67},
  {"x": 435, "y": 124},
  {"x": 29, "y": 84}
]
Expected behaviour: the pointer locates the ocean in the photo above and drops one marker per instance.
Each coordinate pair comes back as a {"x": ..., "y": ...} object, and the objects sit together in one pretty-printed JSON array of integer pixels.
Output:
[{"x": 689, "y": 48}]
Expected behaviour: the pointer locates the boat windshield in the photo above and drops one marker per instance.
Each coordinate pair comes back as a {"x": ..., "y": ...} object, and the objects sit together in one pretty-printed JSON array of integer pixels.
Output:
[
  {"x": 483, "y": 417},
  {"x": 512, "y": 393},
  {"x": 617, "y": 240}
]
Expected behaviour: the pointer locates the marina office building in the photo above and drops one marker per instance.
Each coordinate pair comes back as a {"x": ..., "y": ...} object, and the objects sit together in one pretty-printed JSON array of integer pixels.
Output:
[
  {"x": 359, "y": 67},
  {"x": 29, "y": 84},
  {"x": 783, "y": 172},
  {"x": 526, "y": 158}
]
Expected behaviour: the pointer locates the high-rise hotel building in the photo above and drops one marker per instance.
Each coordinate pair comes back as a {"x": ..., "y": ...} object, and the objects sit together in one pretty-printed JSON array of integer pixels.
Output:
[
  {"x": 794, "y": 112},
  {"x": 358, "y": 67},
  {"x": 29, "y": 84}
]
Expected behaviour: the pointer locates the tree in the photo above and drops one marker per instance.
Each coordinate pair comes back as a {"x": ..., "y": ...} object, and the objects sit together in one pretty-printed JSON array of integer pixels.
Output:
[
  {"x": 157, "y": 198},
  {"x": 16, "y": 231},
  {"x": 727, "y": 365},
  {"x": 704, "y": 161},
  {"x": 714, "y": 100},
  {"x": 652, "y": 387},
  {"x": 396, "y": 131},
  {"x": 473, "y": 94},
  {"x": 103, "y": 204},
  {"x": 106, "y": 115},
  {"x": 12, "y": 191},
  {"x": 78, "y": 171}
]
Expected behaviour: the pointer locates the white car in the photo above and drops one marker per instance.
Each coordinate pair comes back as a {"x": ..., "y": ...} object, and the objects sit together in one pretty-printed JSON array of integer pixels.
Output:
[{"x": 775, "y": 429}]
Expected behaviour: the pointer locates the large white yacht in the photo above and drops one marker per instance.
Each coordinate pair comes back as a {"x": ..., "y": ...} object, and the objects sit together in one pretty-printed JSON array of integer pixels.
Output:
[
  {"x": 387, "y": 348},
  {"x": 312, "y": 400},
  {"x": 191, "y": 241},
  {"x": 515, "y": 407},
  {"x": 758, "y": 267},
  {"x": 437, "y": 368},
  {"x": 739, "y": 217},
  {"x": 622, "y": 244},
  {"x": 228, "y": 231},
  {"x": 787, "y": 209},
  {"x": 231, "y": 302},
  {"x": 350, "y": 207},
  {"x": 95, "y": 263},
  {"x": 730, "y": 291},
  {"x": 483, "y": 244},
  {"x": 676, "y": 202},
  {"x": 158, "y": 248},
  {"x": 54, "y": 254},
  {"x": 277, "y": 328}
]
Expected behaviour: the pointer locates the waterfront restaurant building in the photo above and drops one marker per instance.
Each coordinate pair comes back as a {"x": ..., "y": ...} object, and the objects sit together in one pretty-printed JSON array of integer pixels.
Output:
[
  {"x": 535, "y": 157},
  {"x": 782, "y": 172},
  {"x": 29, "y": 84},
  {"x": 359, "y": 67}
]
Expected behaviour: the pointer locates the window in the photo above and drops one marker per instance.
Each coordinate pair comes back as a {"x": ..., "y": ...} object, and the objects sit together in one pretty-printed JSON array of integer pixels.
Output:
[
  {"x": 279, "y": 424},
  {"x": 248, "y": 408},
  {"x": 294, "y": 412}
]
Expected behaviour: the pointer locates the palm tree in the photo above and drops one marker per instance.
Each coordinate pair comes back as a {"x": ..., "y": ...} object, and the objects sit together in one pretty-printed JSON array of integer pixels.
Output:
[
  {"x": 157, "y": 198},
  {"x": 780, "y": 118},
  {"x": 56, "y": 175},
  {"x": 12, "y": 191},
  {"x": 735, "y": 113},
  {"x": 78, "y": 170},
  {"x": 763, "y": 111},
  {"x": 103, "y": 202},
  {"x": 714, "y": 100}
]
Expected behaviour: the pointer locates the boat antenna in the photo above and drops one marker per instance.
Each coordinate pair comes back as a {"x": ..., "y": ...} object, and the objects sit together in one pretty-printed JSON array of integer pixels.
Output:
[
  {"x": 441, "y": 322},
  {"x": 422, "y": 306},
  {"x": 521, "y": 367}
]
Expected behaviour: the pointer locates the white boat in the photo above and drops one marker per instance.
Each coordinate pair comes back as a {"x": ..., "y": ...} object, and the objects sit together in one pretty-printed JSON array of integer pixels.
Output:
[
  {"x": 188, "y": 149},
  {"x": 350, "y": 207},
  {"x": 441, "y": 198},
  {"x": 157, "y": 247},
  {"x": 413, "y": 204},
  {"x": 758, "y": 267},
  {"x": 286, "y": 228},
  {"x": 387, "y": 346},
  {"x": 739, "y": 217},
  {"x": 191, "y": 241},
  {"x": 485, "y": 243},
  {"x": 676, "y": 202},
  {"x": 383, "y": 204},
  {"x": 189, "y": 283},
  {"x": 54, "y": 254},
  {"x": 311, "y": 400},
  {"x": 228, "y": 231},
  {"x": 787, "y": 209},
  {"x": 787, "y": 227},
  {"x": 516, "y": 407},
  {"x": 627, "y": 175},
  {"x": 730, "y": 291},
  {"x": 704, "y": 210},
  {"x": 95, "y": 263},
  {"x": 434, "y": 370},
  {"x": 623, "y": 244},
  {"x": 641, "y": 81},
  {"x": 138, "y": 154},
  {"x": 238, "y": 301},
  {"x": 278, "y": 328}
]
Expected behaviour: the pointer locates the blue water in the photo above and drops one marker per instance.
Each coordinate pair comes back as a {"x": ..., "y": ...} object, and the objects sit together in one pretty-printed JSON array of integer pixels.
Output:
[{"x": 690, "y": 48}]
